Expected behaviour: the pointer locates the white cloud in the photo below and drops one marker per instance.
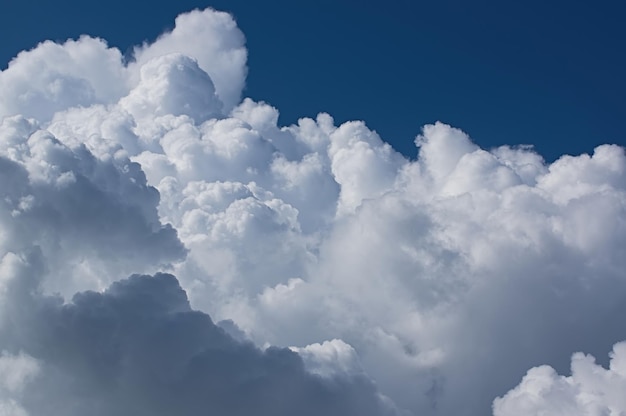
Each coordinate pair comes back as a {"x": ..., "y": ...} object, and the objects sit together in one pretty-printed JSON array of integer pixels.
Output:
[
  {"x": 591, "y": 390},
  {"x": 330, "y": 358},
  {"x": 172, "y": 84},
  {"x": 214, "y": 40},
  {"x": 91, "y": 218},
  {"x": 53, "y": 77},
  {"x": 443, "y": 279}
]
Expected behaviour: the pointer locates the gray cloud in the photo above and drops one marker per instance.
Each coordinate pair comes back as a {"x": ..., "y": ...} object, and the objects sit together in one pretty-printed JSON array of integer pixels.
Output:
[{"x": 138, "y": 348}]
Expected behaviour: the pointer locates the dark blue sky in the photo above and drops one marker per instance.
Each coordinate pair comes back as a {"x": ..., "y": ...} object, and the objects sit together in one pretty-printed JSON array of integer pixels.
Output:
[{"x": 547, "y": 73}]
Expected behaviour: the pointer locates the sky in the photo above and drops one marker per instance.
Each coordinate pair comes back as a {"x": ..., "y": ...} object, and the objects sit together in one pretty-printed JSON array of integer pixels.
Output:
[
  {"x": 553, "y": 70},
  {"x": 276, "y": 210}
]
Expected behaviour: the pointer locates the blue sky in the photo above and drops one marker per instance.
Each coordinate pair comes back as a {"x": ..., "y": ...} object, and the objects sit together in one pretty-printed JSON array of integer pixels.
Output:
[{"x": 549, "y": 74}]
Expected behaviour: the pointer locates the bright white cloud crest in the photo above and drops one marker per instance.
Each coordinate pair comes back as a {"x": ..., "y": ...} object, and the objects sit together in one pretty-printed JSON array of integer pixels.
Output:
[
  {"x": 428, "y": 286},
  {"x": 591, "y": 390}
]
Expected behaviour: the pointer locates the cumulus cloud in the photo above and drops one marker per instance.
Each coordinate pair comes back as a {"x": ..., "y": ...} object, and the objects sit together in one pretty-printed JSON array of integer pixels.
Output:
[
  {"x": 54, "y": 77},
  {"x": 214, "y": 40},
  {"x": 79, "y": 73},
  {"x": 590, "y": 390},
  {"x": 88, "y": 216},
  {"x": 139, "y": 348},
  {"x": 173, "y": 84},
  {"x": 437, "y": 282}
]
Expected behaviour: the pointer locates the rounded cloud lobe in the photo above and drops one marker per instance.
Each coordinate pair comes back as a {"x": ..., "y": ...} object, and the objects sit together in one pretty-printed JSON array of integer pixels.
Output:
[
  {"x": 590, "y": 390},
  {"x": 430, "y": 285}
]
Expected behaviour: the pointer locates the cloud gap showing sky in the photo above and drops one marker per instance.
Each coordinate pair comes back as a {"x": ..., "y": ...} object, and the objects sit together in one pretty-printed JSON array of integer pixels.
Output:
[{"x": 167, "y": 248}]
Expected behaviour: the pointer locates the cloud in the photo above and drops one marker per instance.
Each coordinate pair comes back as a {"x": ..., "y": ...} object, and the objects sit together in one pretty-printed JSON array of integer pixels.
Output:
[
  {"x": 214, "y": 40},
  {"x": 173, "y": 84},
  {"x": 78, "y": 73},
  {"x": 53, "y": 77},
  {"x": 15, "y": 372},
  {"x": 139, "y": 348},
  {"x": 590, "y": 390},
  {"x": 89, "y": 217},
  {"x": 437, "y": 282}
]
